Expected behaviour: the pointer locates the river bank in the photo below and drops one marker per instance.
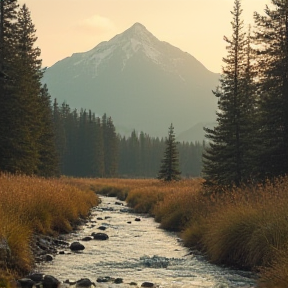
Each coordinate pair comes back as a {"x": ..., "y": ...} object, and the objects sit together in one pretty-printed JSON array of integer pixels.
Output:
[{"x": 136, "y": 252}]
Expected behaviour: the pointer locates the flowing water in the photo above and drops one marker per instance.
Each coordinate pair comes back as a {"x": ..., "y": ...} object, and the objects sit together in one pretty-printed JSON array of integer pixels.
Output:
[{"x": 138, "y": 251}]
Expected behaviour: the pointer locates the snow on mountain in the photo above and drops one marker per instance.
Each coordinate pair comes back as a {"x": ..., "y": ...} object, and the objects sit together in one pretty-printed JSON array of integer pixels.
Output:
[{"x": 140, "y": 81}]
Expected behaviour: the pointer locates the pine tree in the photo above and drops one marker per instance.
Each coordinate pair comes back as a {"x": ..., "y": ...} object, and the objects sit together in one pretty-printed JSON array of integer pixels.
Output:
[
  {"x": 48, "y": 166},
  {"x": 224, "y": 157},
  {"x": 169, "y": 170},
  {"x": 271, "y": 38}
]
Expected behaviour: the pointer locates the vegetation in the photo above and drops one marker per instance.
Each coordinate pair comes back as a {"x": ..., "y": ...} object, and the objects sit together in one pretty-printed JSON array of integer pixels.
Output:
[
  {"x": 245, "y": 228},
  {"x": 169, "y": 170},
  {"x": 250, "y": 141},
  {"x": 30, "y": 205}
]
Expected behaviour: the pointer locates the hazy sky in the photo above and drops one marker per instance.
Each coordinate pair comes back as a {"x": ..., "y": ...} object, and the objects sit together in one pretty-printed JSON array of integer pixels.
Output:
[{"x": 194, "y": 26}]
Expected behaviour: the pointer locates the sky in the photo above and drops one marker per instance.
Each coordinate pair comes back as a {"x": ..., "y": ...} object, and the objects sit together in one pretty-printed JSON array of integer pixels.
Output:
[{"x": 65, "y": 27}]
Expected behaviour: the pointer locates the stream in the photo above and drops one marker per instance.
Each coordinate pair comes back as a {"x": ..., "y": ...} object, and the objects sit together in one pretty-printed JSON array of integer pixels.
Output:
[{"x": 137, "y": 251}]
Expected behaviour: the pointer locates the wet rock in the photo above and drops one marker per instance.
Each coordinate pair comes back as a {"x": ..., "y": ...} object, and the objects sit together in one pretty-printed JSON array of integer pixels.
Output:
[
  {"x": 48, "y": 257},
  {"x": 99, "y": 218},
  {"x": 84, "y": 283},
  {"x": 60, "y": 242},
  {"x": 107, "y": 217},
  {"x": 50, "y": 282},
  {"x": 137, "y": 219},
  {"x": 61, "y": 252},
  {"x": 147, "y": 284},
  {"x": 133, "y": 284},
  {"x": 100, "y": 236},
  {"x": 118, "y": 203},
  {"x": 25, "y": 283},
  {"x": 87, "y": 238},
  {"x": 36, "y": 277},
  {"x": 129, "y": 222},
  {"x": 118, "y": 281},
  {"x": 76, "y": 246},
  {"x": 103, "y": 279},
  {"x": 102, "y": 228}
]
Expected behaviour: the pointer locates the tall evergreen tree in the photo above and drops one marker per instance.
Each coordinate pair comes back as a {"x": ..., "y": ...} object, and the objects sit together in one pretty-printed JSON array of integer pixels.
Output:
[
  {"x": 169, "y": 170},
  {"x": 224, "y": 157},
  {"x": 48, "y": 164},
  {"x": 271, "y": 38}
]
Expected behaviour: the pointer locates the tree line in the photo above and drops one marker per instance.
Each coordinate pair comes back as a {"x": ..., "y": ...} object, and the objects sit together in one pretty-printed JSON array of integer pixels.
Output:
[
  {"x": 88, "y": 146},
  {"x": 41, "y": 138},
  {"x": 250, "y": 140}
]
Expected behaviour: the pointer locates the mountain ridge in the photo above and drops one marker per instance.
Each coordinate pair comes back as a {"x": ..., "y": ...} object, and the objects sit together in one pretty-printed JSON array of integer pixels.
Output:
[{"x": 141, "y": 82}]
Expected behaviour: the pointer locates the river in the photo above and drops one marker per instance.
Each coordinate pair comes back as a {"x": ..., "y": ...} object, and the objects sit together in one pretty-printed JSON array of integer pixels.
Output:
[{"x": 137, "y": 251}]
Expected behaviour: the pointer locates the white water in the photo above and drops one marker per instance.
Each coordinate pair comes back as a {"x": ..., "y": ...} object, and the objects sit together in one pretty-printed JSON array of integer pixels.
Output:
[{"x": 138, "y": 252}]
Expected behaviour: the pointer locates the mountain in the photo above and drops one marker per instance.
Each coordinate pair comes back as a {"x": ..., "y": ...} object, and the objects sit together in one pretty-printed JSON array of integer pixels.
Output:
[
  {"x": 138, "y": 80},
  {"x": 195, "y": 133}
]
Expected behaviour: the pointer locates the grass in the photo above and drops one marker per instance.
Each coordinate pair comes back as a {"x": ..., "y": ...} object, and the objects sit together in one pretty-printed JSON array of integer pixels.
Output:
[
  {"x": 31, "y": 205},
  {"x": 245, "y": 228}
]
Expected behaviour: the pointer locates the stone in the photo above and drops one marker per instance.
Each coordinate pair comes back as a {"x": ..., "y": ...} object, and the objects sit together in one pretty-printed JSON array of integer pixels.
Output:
[
  {"x": 76, "y": 246},
  {"x": 25, "y": 283},
  {"x": 50, "y": 282},
  {"x": 102, "y": 228},
  {"x": 84, "y": 283},
  {"x": 118, "y": 281},
  {"x": 48, "y": 257},
  {"x": 137, "y": 219},
  {"x": 87, "y": 238},
  {"x": 147, "y": 284},
  {"x": 100, "y": 236}
]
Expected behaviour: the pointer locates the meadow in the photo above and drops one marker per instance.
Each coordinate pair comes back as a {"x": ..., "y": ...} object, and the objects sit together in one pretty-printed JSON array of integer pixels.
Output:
[
  {"x": 31, "y": 205},
  {"x": 245, "y": 228}
]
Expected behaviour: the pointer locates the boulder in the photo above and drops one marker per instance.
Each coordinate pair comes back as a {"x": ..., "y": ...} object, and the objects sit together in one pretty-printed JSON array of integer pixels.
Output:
[
  {"x": 36, "y": 277},
  {"x": 25, "y": 283},
  {"x": 100, "y": 236},
  {"x": 76, "y": 246},
  {"x": 48, "y": 257},
  {"x": 50, "y": 282},
  {"x": 118, "y": 281},
  {"x": 84, "y": 283},
  {"x": 137, "y": 219}
]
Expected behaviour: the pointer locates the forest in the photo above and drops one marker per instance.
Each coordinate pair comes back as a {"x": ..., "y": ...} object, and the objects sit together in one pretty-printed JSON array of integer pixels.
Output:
[{"x": 248, "y": 143}]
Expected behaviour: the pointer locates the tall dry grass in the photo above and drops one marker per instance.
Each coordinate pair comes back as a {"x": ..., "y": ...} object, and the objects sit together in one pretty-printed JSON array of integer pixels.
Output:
[
  {"x": 245, "y": 227},
  {"x": 34, "y": 205}
]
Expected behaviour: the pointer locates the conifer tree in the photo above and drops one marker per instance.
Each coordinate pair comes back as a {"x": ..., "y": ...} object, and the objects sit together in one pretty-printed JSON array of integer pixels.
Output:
[
  {"x": 48, "y": 164},
  {"x": 169, "y": 170},
  {"x": 224, "y": 157},
  {"x": 271, "y": 38}
]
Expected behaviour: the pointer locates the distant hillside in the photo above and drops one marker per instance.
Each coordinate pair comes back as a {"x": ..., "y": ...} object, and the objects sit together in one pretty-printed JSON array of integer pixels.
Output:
[
  {"x": 143, "y": 83},
  {"x": 195, "y": 133}
]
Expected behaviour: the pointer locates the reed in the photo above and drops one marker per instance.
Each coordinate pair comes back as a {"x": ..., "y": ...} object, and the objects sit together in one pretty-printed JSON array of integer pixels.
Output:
[{"x": 31, "y": 205}]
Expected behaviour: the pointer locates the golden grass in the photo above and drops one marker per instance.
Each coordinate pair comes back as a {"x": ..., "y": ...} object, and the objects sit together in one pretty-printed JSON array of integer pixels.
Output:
[
  {"x": 34, "y": 205},
  {"x": 245, "y": 227}
]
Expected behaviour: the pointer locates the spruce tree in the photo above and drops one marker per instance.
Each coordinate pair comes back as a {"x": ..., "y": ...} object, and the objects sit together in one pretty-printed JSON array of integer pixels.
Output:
[
  {"x": 169, "y": 170},
  {"x": 224, "y": 157},
  {"x": 271, "y": 38}
]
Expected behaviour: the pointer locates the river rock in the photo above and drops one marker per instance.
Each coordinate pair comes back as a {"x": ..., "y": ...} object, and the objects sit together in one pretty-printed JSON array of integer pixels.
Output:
[
  {"x": 50, "y": 282},
  {"x": 118, "y": 281},
  {"x": 102, "y": 228},
  {"x": 25, "y": 283},
  {"x": 103, "y": 279},
  {"x": 100, "y": 236},
  {"x": 147, "y": 284},
  {"x": 48, "y": 257},
  {"x": 84, "y": 283},
  {"x": 87, "y": 238},
  {"x": 137, "y": 219},
  {"x": 76, "y": 246},
  {"x": 36, "y": 277}
]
